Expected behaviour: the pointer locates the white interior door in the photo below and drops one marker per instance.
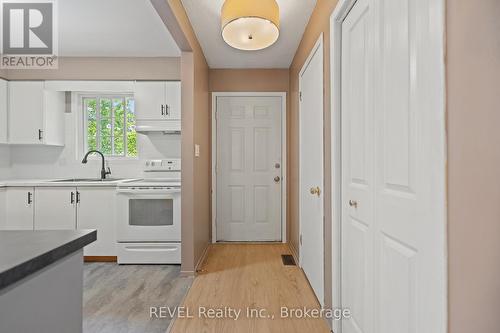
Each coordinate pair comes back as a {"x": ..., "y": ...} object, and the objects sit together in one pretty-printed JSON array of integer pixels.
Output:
[
  {"x": 311, "y": 171},
  {"x": 393, "y": 170},
  {"x": 357, "y": 168},
  {"x": 249, "y": 168}
]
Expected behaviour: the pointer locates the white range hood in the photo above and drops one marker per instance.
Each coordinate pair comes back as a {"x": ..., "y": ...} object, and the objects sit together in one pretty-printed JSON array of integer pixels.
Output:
[{"x": 162, "y": 126}]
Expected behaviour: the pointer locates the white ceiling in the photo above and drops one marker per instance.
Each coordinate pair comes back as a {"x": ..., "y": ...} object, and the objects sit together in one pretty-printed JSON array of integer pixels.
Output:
[
  {"x": 113, "y": 28},
  {"x": 205, "y": 19}
]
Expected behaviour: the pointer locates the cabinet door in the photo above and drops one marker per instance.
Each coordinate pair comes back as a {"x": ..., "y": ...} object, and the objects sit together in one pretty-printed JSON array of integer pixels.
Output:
[
  {"x": 3, "y": 111},
  {"x": 26, "y": 112},
  {"x": 173, "y": 106},
  {"x": 55, "y": 208},
  {"x": 150, "y": 100},
  {"x": 54, "y": 107},
  {"x": 96, "y": 210},
  {"x": 19, "y": 208}
]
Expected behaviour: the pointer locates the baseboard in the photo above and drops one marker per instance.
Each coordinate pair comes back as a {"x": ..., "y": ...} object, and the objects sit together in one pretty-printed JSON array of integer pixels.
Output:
[
  {"x": 100, "y": 259},
  {"x": 199, "y": 264}
]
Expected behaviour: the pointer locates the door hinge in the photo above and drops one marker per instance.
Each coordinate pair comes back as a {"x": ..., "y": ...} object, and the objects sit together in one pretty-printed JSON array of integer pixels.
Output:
[
  {"x": 300, "y": 239},
  {"x": 300, "y": 96}
]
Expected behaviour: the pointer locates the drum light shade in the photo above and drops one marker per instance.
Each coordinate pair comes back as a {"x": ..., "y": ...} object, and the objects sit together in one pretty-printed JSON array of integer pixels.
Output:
[{"x": 250, "y": 24}]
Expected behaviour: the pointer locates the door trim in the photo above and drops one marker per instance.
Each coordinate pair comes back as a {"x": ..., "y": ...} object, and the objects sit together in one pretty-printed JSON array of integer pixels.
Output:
[
  {"x": 317, "y": 46},
  {"x": 283, "y": 96},
  {"x": 336, "y": 19}
]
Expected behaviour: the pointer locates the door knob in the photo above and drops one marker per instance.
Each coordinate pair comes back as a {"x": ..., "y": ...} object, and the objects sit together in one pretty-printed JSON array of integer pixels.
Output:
[
  {"x": 315, "y": 190},
  {"x": 353, "y": 203},
  {"x": 277, "y": 179}
]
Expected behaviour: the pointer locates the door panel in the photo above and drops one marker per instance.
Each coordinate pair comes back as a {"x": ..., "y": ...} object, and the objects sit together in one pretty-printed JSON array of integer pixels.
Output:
[
  {"x": 357, "y": 168},
  {"x": 149, "y": 98},
  {"x": 311, "y": 172},
  {"x": 19, "y": 202},
  {"x": 55, "y": 208},
  {"x": 173, "y": 95},
  {"x": 248, "y": 160},
  {"x": 96, "y": 210},
  {"x": 26, "y": 111},
  {"x": 392, "y": 168}
]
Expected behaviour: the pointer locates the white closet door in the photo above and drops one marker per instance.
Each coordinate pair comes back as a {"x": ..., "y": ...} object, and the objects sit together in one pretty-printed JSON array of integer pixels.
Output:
[
  {"x": 311, "y": 172},
  {"x": 409, "y": 166},
  {"x": 357, "y": 167},
  {"x": 249, "y": 169},
  {"x": 393, "y": 223}
]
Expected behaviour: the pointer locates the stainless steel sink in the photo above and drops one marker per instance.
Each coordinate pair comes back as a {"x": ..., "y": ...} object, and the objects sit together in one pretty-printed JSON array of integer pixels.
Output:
[{"x": 86, "y": 180}]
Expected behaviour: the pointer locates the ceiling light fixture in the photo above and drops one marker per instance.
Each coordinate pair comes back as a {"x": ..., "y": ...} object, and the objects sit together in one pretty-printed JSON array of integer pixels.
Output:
[{"x": 250, "y": 24}]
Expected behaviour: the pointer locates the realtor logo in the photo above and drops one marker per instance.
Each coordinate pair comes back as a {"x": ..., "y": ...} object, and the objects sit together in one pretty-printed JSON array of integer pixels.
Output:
[{"x": 28, "y": 34}]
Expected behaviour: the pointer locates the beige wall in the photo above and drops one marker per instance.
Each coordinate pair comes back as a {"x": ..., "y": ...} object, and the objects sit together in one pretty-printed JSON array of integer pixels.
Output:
[
  {"x": 240, "y": 80},
  {"x": 195, "y": 130},
  {"x": 250, "y": 80},
  {"x": 319, "y": 23},
  {"x": 105, "y": 68},
  {"x": 473, "y": 93}
]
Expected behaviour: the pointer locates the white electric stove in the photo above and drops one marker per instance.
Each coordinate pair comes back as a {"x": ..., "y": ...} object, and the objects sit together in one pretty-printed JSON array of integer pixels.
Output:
[{"x": 149, "y": 215}]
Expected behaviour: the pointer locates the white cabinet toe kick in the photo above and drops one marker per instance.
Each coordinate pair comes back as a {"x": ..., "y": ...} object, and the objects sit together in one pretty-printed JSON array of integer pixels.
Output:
[{"x": 149, "y": 253}]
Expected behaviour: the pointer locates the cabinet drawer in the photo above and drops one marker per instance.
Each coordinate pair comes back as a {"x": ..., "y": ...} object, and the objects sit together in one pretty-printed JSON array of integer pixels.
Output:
[{"x": 149, "y": 253}]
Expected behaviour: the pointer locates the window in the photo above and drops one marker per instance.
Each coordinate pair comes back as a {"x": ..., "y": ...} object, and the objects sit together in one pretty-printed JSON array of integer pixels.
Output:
[{"x": 110, "y": 125}]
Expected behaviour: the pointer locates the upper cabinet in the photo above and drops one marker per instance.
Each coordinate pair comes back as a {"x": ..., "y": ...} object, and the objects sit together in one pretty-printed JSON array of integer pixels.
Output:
[
  {"x": 158, "y": 100},
  {"x": 3, "y": 110},
  {"x": 36, "y": 116}
]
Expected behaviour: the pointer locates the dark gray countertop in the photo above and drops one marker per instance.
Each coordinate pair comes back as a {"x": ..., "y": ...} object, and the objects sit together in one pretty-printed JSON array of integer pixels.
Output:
[{"x": 25, "y": 252}]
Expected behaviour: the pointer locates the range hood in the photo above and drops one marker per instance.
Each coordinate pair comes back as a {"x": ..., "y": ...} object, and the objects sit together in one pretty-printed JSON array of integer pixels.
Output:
[{"x": 161, "y": 126}]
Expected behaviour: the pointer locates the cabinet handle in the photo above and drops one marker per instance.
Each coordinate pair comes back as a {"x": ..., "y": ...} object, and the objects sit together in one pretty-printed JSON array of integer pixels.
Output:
[
  {"x": 77, "y": 197},
  {"x": 40, "y": 134},
  {"x": 30, "y": 198},
  {"x": 162, "y": 111},
  {"x": 167, "y": 108},
  {"x": 72, "y": 199}
]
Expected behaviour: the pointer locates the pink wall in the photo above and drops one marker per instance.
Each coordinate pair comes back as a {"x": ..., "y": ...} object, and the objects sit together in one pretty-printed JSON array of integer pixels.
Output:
[{"x": 473, "y": 89}]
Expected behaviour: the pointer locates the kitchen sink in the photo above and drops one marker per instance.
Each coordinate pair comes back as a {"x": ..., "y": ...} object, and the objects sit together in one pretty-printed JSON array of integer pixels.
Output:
[{"x": 86, "y": 180}]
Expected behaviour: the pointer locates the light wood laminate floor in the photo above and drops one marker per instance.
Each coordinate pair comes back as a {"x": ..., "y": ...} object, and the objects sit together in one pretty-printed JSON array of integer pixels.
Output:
[
  {"x": 117, "y": 298},
  {"x": 242, "y": 276}
]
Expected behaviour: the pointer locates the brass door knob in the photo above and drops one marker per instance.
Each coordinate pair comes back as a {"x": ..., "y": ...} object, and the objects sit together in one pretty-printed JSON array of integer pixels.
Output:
[
  {"x": 315, "y": 191},
  {"x": 353, "y": 203},
  {"x": 277, "y": 179}
]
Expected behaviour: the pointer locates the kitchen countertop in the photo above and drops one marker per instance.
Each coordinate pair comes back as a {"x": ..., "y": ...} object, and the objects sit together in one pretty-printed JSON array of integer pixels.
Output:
[
  {"x": 23, "y": 253},
  {"x": 56, "y": 183}
]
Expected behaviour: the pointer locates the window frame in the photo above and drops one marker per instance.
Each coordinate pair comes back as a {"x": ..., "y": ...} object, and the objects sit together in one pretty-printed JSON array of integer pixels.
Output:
[{"x": 82, "y": 107}]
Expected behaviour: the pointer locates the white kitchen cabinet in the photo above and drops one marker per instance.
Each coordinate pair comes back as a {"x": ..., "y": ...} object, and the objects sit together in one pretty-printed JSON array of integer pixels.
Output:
[
  {"x": 19, "y": 203},
  {"x": 173, "y": 93},
  {"x": 96, "y": 210},
  {"x": 36, "y": 116},
  {"x": 55, "y": 208},
  {"x": 3, "y": 110},
  {"x": 158, "y": 100}
]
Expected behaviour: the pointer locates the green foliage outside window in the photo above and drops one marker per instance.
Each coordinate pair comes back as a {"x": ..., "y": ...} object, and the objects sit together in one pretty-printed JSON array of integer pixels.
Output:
[{"x": 111, "y": 125}]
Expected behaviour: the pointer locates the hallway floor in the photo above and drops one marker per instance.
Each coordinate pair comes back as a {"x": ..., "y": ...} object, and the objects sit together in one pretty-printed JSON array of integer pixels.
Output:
[{"x": 247, "y": 276}]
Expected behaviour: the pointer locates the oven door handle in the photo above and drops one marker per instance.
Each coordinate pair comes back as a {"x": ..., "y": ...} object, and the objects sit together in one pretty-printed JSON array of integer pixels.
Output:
[{"x": 147, "y": 192}]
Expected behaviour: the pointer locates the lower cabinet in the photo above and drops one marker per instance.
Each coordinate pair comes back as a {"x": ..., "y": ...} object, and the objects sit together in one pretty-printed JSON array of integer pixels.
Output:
[
  {"x": 55, "y": 208},
  {"x": 60, "y": 208},
  {"x": 19, "y": 208},
  {"x": 96, "y": 210}
]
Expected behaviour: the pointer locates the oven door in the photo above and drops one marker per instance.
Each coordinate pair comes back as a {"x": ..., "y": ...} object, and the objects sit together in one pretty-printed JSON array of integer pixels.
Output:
[{"x": 148, "y": 215}]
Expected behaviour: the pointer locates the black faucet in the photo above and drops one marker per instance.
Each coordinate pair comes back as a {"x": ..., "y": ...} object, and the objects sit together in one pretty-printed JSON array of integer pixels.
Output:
[{"x": 104, "y": 171}]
